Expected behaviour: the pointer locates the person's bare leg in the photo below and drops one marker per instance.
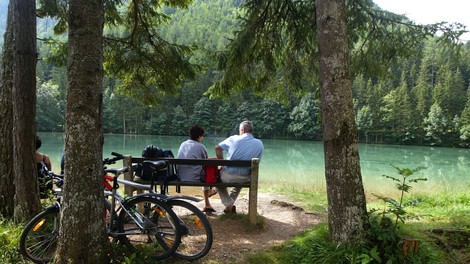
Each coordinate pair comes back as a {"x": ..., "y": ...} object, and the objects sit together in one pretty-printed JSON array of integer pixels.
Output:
[{"x": 207, "y": 203}]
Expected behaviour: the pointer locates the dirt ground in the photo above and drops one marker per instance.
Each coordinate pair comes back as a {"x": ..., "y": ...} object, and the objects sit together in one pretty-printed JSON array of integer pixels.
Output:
[{"x": 233, "y": 238}]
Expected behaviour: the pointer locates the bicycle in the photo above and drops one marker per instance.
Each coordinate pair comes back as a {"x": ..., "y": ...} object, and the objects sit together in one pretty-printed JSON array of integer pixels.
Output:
[
  {"x": 142, "y": 220},
  {"x": 38, "y": 240},
  {"x": 197, "y": 236}
]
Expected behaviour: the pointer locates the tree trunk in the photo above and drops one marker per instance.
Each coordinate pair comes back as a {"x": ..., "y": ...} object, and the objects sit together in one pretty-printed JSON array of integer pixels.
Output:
[
  {"x": 7, "y": 189},
  {"x": 346, "y": 199},
  {"x": 27, "y": 202},
  {"x": 83, "y": 237}
]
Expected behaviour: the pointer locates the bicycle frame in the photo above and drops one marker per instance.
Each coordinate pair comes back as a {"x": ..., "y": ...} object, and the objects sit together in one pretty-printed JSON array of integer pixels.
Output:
[
  {"x": 118, "y": 200},
  {"x": 153, "y": 193}
]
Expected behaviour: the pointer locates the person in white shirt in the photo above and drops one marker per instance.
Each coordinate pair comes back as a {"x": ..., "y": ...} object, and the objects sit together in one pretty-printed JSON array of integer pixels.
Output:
[{"x": 239, "y": 147}]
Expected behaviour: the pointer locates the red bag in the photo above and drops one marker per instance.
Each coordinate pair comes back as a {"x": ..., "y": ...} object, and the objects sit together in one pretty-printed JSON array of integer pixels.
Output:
[{"x": 212, "y": 174}]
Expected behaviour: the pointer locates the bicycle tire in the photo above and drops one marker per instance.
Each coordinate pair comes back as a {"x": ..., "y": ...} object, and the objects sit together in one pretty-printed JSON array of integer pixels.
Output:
[
  {"x": 38, "y": 241},
  {"x": 196, "y": 231},
  {"x": 149, "y": 225}
]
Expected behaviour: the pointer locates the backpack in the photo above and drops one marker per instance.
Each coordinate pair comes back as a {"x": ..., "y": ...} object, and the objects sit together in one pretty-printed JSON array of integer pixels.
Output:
[
  {"x": 172, "y": 169},
  {"x": 165, "y": 175},
  {"x": 152, "y": 151}
]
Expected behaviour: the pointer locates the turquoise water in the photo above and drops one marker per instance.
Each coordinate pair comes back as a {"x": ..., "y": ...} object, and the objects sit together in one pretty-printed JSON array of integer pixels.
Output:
[{"x": 299, "y": 164}]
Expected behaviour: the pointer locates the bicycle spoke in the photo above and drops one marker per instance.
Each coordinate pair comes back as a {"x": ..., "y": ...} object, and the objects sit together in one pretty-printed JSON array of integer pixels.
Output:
[
  {"x": 147, "y": 224},
  {"x": 38, "y": 241},
  {"x": 196, "y": 232}
]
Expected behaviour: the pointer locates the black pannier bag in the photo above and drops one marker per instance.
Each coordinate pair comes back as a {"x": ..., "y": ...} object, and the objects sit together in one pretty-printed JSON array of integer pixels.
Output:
[{"x": 164, "y": 175}]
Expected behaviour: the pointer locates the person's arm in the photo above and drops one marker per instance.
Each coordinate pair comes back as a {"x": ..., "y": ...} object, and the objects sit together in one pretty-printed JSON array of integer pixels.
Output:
[{"x": 219, "y": 152}]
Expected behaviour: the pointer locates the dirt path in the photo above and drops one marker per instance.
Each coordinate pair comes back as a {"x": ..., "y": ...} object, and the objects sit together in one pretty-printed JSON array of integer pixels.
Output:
[{"x": 233, "y": 239}]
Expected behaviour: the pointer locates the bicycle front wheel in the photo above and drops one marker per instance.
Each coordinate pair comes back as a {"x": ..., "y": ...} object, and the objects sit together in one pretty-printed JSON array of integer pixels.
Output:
[
  {"x": 149, "y": 225},
  {"x": 38, "y": 241},
  {"x": 196, "y": 231}
]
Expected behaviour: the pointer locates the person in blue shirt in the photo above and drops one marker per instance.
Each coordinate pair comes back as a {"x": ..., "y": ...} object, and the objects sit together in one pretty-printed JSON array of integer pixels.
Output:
[{"x": 238, "y": 147}]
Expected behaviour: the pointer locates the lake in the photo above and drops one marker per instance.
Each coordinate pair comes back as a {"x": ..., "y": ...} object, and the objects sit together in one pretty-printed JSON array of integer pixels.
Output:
[{"x": 299, "y": 164}]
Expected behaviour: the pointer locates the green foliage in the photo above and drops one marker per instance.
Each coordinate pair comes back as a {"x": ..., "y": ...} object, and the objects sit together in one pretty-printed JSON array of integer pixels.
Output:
[
  {"x": 9, "y": 241},
  {"x": 272, "y": 50},
  {"x": 50, "y": 108},
  {"x": 436, "y": 126},
  {"x": 305, "y": 118},
  {"x": 180, "y": 122},
  {"x": 225, "y": 117},
  {"x": 390, "y": 108},
  {"x": 397, "y": 208},
  {"x": 158, "y": 124},
  {"x": 275, "y": 51},
  {"x": 383, "y": 241},
  {"x": 314, "y": 246},
  {"x": 269, "y": 116},
  {"x": 202, "y": 113},
  {"x": 382, "y": 235},
  {"x": 134, "y": 52}
]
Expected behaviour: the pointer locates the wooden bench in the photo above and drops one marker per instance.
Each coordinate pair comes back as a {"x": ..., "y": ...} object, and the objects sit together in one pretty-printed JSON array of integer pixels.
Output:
[{"x": 252, "y": 185}]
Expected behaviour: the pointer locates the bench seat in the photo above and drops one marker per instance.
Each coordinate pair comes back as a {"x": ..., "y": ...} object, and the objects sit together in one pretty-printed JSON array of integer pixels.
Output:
[{"x": 252, "y": 185}]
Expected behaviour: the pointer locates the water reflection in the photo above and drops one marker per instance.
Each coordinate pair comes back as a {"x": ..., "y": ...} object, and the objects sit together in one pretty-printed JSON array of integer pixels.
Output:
[{"x": 300, "y": 164}]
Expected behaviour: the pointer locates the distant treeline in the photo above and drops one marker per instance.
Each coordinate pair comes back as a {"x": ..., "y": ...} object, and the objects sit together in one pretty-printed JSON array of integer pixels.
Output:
[{"x": 423, "y": 101}]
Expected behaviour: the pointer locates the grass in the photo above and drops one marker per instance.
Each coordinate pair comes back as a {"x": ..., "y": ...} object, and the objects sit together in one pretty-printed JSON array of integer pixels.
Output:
[
  {"x": 431, "y": 212},
  {"x": 439, "y": 221},
  {"x": 9, "y": 241},
  {"x": 311, "y": 201}
]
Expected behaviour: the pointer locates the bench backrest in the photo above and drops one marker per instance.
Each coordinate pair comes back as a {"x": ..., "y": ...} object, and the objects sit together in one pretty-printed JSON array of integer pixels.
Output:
[{"x": 230, "y": 163}]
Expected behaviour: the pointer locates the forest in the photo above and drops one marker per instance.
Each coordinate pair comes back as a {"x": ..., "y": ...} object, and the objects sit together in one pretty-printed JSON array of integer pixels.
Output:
[
  {"x": 112, "y": 67},
  {"x": 423, "y": 100}
]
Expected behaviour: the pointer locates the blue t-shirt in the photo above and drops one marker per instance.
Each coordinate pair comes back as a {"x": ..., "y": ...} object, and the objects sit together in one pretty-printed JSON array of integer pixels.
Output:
[
  {"x": 191, "y": 149},
  {"x": 242, "y": 147}
]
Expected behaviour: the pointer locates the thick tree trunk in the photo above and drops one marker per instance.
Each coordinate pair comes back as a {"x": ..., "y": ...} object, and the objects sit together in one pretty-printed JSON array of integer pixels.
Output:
[
  {"x": 346, "y": 199},
  {"x": 24, "y": 109},
  {"x": 83, "y": 236},
  {"x": 7, "y": 189}
]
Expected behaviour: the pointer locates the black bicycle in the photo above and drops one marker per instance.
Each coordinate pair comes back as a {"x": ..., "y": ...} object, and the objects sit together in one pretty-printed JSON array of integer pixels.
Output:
[
  {"x": 140, "y": 221},
  {"x": 38, "y": 240},
  {"x": 196, "y": 231}
]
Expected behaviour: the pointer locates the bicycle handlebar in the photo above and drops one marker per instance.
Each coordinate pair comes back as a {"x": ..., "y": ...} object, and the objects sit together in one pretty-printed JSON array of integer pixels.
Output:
[
  {"x": 109, "y": 161},
  {"x": 58, "y": 178}
]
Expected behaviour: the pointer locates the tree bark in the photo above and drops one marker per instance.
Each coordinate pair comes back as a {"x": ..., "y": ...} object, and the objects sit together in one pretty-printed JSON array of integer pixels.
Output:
[
  {"x": 7, "y": 189},
  {"x": 27, "y": 203},
  {"x": 83, "y": 237},
  {"x": 347, "y": 211}
]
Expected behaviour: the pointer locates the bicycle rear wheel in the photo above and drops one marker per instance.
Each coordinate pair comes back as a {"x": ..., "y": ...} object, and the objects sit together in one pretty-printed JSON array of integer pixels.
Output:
[
  {"x": 150, "y": 226},
  {"x": 196, "y": 231},
  {"x": 38, "y": 240}
]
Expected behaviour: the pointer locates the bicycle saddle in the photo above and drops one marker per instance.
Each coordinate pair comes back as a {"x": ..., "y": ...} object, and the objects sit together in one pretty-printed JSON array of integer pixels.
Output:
[{"x": 156, "y": 164}]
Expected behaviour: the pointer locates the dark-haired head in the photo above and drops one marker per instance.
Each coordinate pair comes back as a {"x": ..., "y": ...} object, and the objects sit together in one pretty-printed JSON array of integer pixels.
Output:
[
  {"x": 195, "y": 132},
  {"x": 38, "y": 142}
]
